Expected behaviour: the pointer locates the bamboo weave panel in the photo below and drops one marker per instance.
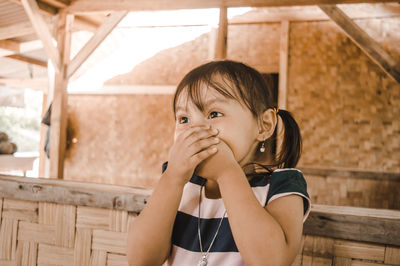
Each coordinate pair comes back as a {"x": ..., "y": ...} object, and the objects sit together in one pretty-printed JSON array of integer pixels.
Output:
[{"x": 39, "y": 233}]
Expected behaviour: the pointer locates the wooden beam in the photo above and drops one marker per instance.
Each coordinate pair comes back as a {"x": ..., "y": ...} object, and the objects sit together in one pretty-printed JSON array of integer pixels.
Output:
[
  {"x": 83, "y": 6},
  {"x": 372, "y": 48},
  {"x": 222, "y": 37},
  {"x": 28, "y": 60},
  {"x": 59, "y": 112},
  {"x": 73, "y": 193},
  {"x": 86, "y": 23},
  {"x": 350, "y": 173},
  {"x": 314, "y": 13},
  {"x": 44, "y": 7},
  {"x": 351, "y": 223},
  {"x": 283, "y": 64},
  {"x": 42, "y": 31},
  {"x": 283, "y": 79},
  {"x": 57, "y": 3},
  {"x": 105, "y": 29},
  {"x": 10, "y": 45},
  {"x": 16, "y": 30},
  {"x": 129, "y": 90}
]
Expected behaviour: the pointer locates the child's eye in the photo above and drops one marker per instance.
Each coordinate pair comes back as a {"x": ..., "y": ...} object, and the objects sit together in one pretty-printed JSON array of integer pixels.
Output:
[
  {"x": 214, "y": 114},
  {"x": 183, "y": 120}
]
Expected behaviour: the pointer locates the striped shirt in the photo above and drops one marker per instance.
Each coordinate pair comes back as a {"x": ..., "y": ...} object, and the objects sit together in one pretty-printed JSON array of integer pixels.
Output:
[{"x": 185, "y": 241}]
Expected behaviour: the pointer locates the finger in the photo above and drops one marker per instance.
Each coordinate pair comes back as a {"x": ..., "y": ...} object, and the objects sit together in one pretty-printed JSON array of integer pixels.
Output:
[
  {"x": 202, "y": 144},
  {"x": 190, "y": 130},
  {"x": 200, "y": 134},
  {"x": 202, "y": 155}
]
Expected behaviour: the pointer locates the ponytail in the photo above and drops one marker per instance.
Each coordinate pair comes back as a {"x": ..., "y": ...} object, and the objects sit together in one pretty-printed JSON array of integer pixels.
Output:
[{"x": 291, "y": 147}]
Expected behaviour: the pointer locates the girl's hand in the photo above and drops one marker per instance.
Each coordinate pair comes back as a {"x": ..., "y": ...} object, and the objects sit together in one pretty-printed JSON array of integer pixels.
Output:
[
  {"x": 190, "y": 148},
  {"x": 215, "y": 165}
]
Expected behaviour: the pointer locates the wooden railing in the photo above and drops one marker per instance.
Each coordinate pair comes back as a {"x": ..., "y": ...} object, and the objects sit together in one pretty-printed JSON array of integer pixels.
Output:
[{"x": 74, "y": 223}]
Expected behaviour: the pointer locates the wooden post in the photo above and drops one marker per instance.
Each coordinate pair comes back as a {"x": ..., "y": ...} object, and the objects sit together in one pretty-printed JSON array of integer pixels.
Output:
[
  {"x": 283, "y": 73},
  {"x": 220, "y": 51},
  {"x": 59, "y": 107},
  {"x": 43, "y": 132}
]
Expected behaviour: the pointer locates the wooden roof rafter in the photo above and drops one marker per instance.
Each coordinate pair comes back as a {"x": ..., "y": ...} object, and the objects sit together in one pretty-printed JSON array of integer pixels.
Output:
[
  {"x": 102, "y": 32},
  {"x": 85, "y": 6},
  {"x": 43, "y": 32}
]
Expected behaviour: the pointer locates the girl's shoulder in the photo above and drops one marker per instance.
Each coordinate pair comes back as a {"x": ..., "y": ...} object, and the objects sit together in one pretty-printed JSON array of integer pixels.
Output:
[{"x": 288, "y": 181}]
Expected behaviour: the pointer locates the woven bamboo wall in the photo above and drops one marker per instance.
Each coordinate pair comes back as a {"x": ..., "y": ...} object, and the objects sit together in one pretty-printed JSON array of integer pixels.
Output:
[
  {"x": 122, "y": 139},
  {"x": 41, "y": 233},
  {"x": 346, "y": 106},
  {"x": 357, "y": 192},
  {"x": 320, "y": 251}
]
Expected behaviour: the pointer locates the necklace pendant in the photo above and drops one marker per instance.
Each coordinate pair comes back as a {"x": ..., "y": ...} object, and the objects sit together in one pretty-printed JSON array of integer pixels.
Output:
[{"x": 203, "y": 261}]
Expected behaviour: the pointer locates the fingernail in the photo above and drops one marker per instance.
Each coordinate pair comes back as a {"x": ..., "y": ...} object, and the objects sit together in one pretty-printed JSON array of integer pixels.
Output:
[
  {"x": 216, "y": 140},
  {"x": 215, "y": 131}
]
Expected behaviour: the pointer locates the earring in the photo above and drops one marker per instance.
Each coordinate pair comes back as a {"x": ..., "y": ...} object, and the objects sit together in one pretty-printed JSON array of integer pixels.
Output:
[{"x": 262, "y": 148}]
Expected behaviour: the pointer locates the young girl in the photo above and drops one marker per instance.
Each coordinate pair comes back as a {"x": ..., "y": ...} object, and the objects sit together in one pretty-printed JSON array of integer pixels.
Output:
[{"x": 226, "y": 196}]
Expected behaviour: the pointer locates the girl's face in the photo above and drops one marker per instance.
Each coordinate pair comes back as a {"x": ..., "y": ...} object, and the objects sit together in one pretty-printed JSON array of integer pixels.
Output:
[{"x": 237, "y": 126}]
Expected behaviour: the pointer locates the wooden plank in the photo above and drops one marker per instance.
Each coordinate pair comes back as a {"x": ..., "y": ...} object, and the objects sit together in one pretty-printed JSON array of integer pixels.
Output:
[
  {"x": 313, "y": 13},
  {"x": 351, "y": 223},
  {"x": 283, "y": 78},
  {"x": 44, "y": 8},
  {"x": 83, "y": 244},
  {"x": 340, "y": 261},
  {"x": 57, "y": 3},
  {"x": 16, "y": 30},
  {"x": 358, "y": 250},
  {"x": 58, "y": 136},
  {"x": 392, "y": 255},
  {"x": 28, "y": 60},
  {"x": 129, "y": 89},
  {"x": 350, "y": 173},
  {"x": 10, "y": 45},
  {"x": 283, "y": 64},
  {"x": 1, "y": 207},
  {"x": 105, "y": 29},
  {"x": 83, "y": 6},
  {"x": 372, "y": 48},
  {"x": 222, "y": 37},
  {"x": 42, "y": 31},
  {"x": 74, "y": 193}
]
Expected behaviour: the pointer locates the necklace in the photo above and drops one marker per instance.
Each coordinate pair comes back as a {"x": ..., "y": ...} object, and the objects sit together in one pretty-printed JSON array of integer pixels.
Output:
[{"x": 204, "y": 255}]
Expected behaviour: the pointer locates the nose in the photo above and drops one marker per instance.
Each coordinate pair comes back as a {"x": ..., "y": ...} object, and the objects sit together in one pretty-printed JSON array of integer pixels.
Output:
[{"x": 201, "y": 121}]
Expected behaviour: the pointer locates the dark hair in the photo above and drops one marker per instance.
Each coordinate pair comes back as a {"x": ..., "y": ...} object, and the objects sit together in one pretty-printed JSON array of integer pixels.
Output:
[{"x": 247, "y": 86}]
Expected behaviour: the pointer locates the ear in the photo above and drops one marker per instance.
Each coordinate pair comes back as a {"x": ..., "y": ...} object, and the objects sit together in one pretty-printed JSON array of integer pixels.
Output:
[{"x": 267, "y": 123}]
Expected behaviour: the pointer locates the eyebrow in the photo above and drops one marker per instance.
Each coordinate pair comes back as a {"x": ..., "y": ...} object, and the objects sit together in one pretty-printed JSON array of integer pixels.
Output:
[{"x": 206, "y": 103}]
